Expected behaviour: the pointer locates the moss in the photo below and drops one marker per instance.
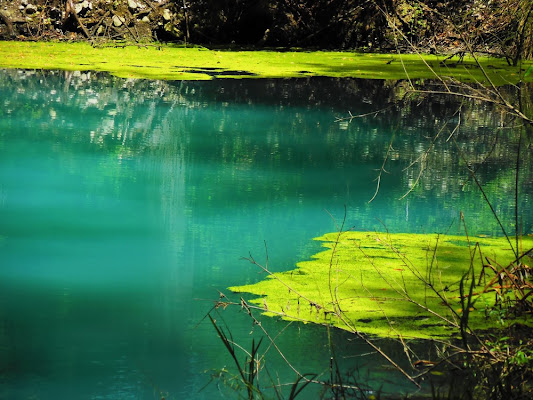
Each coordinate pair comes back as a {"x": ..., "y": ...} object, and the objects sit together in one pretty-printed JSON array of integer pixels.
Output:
[
  {"x": 368, "y": 275},
  {"x": 178, "y": 63}
]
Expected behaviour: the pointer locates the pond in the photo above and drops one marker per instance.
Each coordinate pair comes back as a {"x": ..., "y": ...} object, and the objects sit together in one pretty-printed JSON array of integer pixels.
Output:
[{"x": 127, "y": 205}]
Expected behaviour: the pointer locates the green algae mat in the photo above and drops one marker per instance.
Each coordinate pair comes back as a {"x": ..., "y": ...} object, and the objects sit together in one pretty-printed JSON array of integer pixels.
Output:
[
  {"x": 390, "y": 284},
  {"x": 198, "y": 63}
]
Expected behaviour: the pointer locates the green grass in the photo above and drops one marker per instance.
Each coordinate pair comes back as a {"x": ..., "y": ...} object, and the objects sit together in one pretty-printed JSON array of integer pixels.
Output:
[
  {"x": 179, "y": 63},
  {"x": 368, "y": 276}
]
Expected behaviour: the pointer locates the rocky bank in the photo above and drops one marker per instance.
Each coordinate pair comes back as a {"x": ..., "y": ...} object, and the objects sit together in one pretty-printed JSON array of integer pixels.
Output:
[{"x": 94, "y": 20}]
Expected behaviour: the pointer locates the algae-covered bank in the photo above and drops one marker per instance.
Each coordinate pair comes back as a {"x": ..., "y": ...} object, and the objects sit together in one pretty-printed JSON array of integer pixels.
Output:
[
  {"x": 390, "y": 284},
  {"x": 199, "y": 63}
]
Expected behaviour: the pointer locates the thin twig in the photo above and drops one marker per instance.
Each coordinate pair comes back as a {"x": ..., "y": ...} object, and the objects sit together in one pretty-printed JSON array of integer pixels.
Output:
[{"x": 382, "y": 169}]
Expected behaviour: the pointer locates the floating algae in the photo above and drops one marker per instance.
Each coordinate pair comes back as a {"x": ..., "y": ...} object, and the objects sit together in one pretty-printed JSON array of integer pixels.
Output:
[{"x": 389, "y": 284}]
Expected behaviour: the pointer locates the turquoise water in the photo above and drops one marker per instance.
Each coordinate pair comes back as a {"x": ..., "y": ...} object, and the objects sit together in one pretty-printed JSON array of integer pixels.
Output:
[{"x": 126, "y": 206}]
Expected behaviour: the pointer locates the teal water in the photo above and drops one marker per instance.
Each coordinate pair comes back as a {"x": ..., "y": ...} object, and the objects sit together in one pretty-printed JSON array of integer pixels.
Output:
[{"x": 127, "y": 205}]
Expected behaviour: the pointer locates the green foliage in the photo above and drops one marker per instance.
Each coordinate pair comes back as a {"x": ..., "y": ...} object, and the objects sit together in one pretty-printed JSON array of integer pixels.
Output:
[
  {"x": 414, "y": 18},
  {"x": 508, "y": 373}
]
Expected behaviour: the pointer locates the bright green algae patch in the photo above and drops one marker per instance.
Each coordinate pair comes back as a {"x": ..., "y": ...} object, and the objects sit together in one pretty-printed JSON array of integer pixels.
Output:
[
  {"x": 179, "y": 63},
  {"x": 370, "y": 275}
]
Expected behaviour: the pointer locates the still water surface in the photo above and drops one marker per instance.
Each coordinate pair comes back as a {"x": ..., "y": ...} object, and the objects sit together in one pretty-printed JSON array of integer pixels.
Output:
[{"x": 126, "y": 205}]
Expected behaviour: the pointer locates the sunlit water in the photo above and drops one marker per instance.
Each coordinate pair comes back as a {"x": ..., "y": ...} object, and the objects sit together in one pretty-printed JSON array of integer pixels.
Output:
[{"x": 126, "y": 206}]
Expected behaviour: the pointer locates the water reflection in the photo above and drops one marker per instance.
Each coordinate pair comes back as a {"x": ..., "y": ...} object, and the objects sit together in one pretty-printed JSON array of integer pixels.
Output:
[{"x": 125, "y": 204}]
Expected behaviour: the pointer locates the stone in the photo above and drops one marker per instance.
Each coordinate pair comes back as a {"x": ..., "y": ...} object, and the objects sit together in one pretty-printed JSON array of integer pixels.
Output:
[
  {"x": 166, "y": 14},
  {"x": 30, "y": 9},
  {"x": 55, "y": 13},
  {"x": 133, "y": 4},
  {"x": 83, "y": 7},
  {"x": 117, "y": 21},
  {"x": 145, "y": 19}
]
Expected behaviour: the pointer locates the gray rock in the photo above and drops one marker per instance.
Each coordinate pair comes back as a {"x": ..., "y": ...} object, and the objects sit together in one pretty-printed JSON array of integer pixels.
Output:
[
  {"x": 30, "y": 9},
  {"x": 117, "y": 21}
]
